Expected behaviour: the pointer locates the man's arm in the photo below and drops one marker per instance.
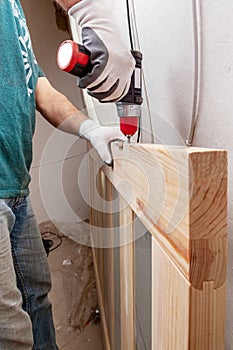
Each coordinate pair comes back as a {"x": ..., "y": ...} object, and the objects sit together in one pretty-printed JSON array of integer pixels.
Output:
[
  {"x": 57, "y": 109},
  {"x": 62, "y": 114}
]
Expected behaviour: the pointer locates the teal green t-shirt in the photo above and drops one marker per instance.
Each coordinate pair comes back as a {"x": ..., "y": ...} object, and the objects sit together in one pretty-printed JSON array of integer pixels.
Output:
[{"x": 19, "y": 73}]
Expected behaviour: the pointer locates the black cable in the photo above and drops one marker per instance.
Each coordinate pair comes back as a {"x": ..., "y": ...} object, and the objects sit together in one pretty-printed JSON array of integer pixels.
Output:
[
  {"x": 129, "y": 25},
  {"x": 139, "y": 130},
  {"x": 132, "y": 48},
  {"x": 48, "y": 243}
]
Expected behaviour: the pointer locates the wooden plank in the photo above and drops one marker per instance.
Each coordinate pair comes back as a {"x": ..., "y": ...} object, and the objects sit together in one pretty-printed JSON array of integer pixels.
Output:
[
  {"x": 127, "y": 294},
  {"x": 170, "y": 303},
  {"x": 105, "y": 333},
  {"x": 180, "y": 195},
  {"x": 207, "y": 317},
  {"x": 109, "y": 264},
  {"x": 95, "y": 222},
  {"x": 194, "y": 319},
  {"x": 100, "y": 225},
  {"x": 101, "y": 188},
  {"x": 208, "y": 219}
]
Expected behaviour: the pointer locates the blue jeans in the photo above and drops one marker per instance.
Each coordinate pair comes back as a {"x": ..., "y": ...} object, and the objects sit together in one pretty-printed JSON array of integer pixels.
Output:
[{"x": 25, "y": 312}]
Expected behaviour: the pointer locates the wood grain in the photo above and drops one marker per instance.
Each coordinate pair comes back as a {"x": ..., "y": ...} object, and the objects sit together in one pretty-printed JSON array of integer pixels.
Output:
[
  {"x": 180, "y": 195},
  {"x": 127, "y": 289}
]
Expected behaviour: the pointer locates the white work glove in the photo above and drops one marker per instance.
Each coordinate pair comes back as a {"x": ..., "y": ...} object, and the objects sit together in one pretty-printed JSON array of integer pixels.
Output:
[
  {"x": 112, "y": 61},
  {"x": 100, "y": 137}
]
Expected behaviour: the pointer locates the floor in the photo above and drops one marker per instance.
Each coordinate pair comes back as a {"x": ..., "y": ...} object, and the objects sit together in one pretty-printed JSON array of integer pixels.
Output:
[{"x": 69, "y": 338}]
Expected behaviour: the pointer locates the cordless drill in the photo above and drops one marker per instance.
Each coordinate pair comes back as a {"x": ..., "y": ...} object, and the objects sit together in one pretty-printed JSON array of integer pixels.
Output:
[{"x": 75, "y": 59}]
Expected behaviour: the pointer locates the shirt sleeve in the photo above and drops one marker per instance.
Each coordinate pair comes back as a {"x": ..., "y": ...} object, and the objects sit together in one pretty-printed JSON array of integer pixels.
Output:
[{"x": 40, "y": 72}]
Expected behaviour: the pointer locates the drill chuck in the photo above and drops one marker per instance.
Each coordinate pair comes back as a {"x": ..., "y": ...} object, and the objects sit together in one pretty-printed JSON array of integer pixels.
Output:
[{"x": 129, "y": 107}]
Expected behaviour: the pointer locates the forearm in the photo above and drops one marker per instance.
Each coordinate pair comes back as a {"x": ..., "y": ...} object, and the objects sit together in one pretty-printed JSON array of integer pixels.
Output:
[
  {"x": 67, "y": 4},
  {"x": 62, "y": 114},
  {"x": 57, "y": 109}
]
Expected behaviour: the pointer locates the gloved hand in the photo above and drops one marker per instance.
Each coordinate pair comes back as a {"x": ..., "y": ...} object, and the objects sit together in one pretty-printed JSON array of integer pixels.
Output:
[
  {"x": 100, "y": 136},
  {"x": 112, "y": 61}
]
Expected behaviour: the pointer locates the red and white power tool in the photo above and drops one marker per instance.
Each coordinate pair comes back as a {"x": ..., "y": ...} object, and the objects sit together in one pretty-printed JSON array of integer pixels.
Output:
[{"x": 74, "y": 59}]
